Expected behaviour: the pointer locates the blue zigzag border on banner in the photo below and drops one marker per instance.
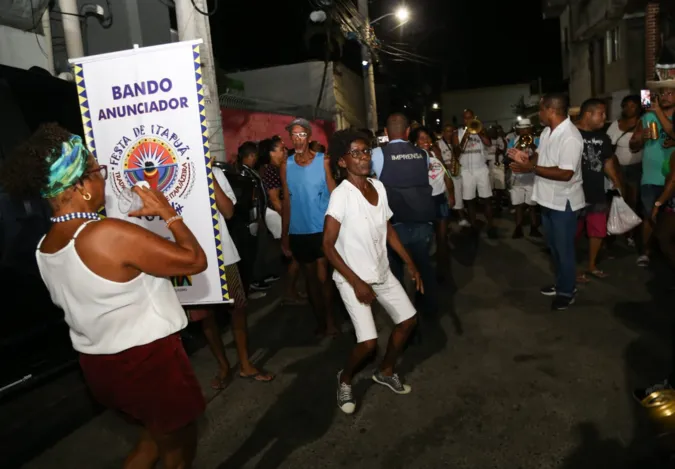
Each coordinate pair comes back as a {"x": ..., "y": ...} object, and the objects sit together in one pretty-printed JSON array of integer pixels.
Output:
[
  {"x": 85, "y": 112},
  {"x": 209, "y": 171}
]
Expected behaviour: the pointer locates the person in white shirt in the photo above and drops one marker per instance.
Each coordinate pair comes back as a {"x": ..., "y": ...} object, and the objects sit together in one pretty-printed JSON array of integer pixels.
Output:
[
  {"x": 356, "y": 233},
  {"x": 445, "y": 146},
  {"x": 621, "y": 132},
  {"x": 558, "y": 189},
  {"x": 522, "y": 185},
  {"x": 475, "y": 173},
  {"x": 225, "y": 201},
  {"x": 443, "y": 193}
]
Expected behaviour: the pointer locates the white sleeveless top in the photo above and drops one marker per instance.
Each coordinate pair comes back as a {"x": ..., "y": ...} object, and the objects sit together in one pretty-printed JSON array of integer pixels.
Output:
[
  {"x": 446, "y": 151},
  {"x": 107, "y": 317}
]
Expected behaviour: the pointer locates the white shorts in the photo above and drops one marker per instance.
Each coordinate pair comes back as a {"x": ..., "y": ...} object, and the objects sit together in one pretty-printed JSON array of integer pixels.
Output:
[
  {"x": 390, "y": 295},
  {"x": 521, "y": 195},
  {"x": 459, "y": 196},
  {"x": 476, "y": 181},
  {"x": 497, "y": 177}
]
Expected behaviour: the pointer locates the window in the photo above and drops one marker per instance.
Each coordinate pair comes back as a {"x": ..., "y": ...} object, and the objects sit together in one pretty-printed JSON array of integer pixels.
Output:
[{"x": 612, "y": 51}]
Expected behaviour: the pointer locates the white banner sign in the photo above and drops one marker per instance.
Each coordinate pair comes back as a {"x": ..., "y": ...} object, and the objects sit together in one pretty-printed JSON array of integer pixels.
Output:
[{"x": 144, "y": 117}]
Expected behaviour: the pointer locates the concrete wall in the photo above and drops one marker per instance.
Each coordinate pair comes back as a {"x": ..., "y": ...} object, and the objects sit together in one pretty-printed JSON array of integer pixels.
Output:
[
  {"x": 20, "y": 49},
  {"x": 349, "y": 98},
  {"x": 299, "y": 84},
  {"x": 491, "y": 105}
]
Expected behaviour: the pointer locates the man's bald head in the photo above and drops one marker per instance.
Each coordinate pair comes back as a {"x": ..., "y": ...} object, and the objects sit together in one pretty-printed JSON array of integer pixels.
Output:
[{"x": 398, "y": 126}]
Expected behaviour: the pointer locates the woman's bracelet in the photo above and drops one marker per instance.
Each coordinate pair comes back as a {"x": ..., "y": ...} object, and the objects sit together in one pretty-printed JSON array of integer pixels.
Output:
[{"x": 173, "y": 219}]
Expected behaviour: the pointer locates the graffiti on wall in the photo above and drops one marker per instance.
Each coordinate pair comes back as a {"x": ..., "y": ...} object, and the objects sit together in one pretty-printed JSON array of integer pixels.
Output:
[{"x": 242, "y": 125}]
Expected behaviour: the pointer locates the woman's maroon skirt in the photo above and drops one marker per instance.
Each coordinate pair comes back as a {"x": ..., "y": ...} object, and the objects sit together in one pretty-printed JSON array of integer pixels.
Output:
[{"x": 154, "y": 384}]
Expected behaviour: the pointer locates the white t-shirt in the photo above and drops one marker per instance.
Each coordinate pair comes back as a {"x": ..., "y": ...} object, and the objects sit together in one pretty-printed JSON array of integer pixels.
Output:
[
  {"x": 622, "y": 141},
  {"x": 475, "y": 154},
  {"x": 436, "y": 176},
  {"x": 230, "y": 253},
  {"x": 362, "y": 242},
  {"x": 561, "y": 148}
]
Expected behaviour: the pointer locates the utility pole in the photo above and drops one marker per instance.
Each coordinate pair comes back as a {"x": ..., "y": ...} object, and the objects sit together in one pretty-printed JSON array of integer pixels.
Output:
[
  {"x": 71, "y": 28},
  {"x": 194, "y": 25},
  {"x": 368, "y": 72}
]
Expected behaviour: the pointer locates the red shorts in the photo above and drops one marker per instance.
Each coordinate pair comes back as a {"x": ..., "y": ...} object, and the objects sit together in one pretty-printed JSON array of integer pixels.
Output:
[
  {"x": 595, "y": 224},
  {"x": 153, "y": 384}
]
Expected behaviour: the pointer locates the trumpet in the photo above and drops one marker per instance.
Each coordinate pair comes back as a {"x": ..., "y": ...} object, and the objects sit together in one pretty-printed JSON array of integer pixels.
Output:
[
  {"x": 525, "y": 142},
  {"x": 474, "y": 127}
]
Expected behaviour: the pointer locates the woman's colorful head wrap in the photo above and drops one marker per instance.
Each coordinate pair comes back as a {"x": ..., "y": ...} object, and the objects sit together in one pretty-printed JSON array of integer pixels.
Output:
[{"x": 66, "y": 166}]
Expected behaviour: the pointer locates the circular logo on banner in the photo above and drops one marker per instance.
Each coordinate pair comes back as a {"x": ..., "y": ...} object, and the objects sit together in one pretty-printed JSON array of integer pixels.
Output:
[{"x": 153, "y": 161}]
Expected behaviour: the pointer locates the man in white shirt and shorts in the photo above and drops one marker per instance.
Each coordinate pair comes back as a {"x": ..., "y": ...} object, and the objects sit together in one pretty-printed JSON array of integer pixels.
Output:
[{"x": 475, "y": 172}]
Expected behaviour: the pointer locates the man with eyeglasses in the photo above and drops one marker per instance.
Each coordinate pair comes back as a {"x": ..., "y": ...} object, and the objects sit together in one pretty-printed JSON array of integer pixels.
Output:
[
  {"x": 404, "y": 171},
  {"x": 654, "y": 152},
  {"x": 307, "y": 179}
]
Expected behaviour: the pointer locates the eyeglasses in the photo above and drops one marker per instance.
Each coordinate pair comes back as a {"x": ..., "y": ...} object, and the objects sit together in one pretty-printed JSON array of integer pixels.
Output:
[
  {"x": 360, "y": 154},
  {"x": 300, "y": 134},
  {"x": 102, "y": 170}
]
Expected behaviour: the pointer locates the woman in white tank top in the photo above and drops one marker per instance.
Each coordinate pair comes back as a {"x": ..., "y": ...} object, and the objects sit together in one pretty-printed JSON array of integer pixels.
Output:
[{"x": 110, "y": 279}]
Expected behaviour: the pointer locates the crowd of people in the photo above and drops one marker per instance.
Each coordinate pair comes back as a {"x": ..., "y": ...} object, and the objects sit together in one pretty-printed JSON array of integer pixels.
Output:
[{"x": 357, "y": 218}]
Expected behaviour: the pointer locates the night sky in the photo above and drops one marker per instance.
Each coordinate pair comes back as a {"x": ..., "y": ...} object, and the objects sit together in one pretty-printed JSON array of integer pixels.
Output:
[{"x": 463, "y": 44}]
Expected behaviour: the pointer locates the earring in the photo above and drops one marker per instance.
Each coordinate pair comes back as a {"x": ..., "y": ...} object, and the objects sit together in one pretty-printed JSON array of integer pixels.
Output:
[{"x": 86, "y": 196}]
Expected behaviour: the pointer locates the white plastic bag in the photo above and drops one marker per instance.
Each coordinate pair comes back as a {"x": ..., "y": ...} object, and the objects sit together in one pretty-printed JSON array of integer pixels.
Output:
[{"x": 621, "y": 218}]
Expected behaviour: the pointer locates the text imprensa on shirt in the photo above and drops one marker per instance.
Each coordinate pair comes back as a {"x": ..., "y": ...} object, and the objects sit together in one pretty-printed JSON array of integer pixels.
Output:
[
  {"x": 362, "y": 242},
  {"x": 561, "y": 148},
  {"x": 230, "y": 253},
  {"x": 597, "y": 150}
]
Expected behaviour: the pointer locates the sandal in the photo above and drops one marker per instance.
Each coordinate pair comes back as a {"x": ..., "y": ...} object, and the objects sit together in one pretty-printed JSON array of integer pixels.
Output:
[
  {"x": 597, "y": 273},
  {"x": 221, "y": 384},
  {"x": 261, "y": 376},
  {"x": 582, "y": 279}
]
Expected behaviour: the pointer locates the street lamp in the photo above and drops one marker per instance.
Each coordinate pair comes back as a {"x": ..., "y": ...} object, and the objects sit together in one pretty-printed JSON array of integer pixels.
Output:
[
  {"x": 402, "y": 14},
  {"x": 435, "y": 106}
]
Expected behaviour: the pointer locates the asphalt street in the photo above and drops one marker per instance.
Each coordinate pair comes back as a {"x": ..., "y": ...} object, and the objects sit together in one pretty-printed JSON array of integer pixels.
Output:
[{"x": 499, "y": 380}]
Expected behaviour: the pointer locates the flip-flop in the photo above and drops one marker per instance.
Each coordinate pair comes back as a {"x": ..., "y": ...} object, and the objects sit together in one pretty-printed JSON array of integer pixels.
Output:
[
  {"x": 582, "y": 279},
  {"x": 259, "y": 377},
  {"x": 597, "y": 273},
  {"x": 221, "y": 384}
]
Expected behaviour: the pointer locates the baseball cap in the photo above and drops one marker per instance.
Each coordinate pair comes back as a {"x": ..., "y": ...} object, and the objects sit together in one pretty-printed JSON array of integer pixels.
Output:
[{"x": 304, "y": 123}]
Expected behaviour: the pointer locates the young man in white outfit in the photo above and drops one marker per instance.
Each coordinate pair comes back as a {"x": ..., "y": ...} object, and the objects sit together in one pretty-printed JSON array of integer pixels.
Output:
[
  {"x": 445, "y": 145},
  {"x": 472, "y": 151},
  {"x": 356, "y": 233},
  {"x": 522, "y": 185}
]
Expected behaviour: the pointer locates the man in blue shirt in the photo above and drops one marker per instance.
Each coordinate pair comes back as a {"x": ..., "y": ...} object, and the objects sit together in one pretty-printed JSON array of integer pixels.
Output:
[
  {"x": 307, "y": 183},
  {"x": 404, "y": 171}
]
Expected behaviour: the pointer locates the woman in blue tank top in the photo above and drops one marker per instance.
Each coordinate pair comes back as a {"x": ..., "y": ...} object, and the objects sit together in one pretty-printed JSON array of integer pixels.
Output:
[{"x": 308, "y": 181}]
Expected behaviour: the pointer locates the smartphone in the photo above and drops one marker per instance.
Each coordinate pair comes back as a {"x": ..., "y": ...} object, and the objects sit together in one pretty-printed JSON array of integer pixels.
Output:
[
  {"x": 382, "y": 139},
  {"x": 646, "y": 98}
]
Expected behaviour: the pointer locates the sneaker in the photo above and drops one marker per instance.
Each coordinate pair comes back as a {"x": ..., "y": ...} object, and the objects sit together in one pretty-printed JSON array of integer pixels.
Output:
[
  {"x": 345, "y": 398},
  {"x": 548, "y": 290},
  {"x": 393, "y": 382},
  {"x": 643, "y": 261},
  {"x": 260, "y": 286},
  {"x": 272, "y": 279},
  {"x": 640, "y": 394},
  {"x": 561, "y": 303},
  {"x": 535, "y": 233},
  {"x": 518, "y": 233},
  {"x": 464, "y": 223}
]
